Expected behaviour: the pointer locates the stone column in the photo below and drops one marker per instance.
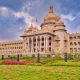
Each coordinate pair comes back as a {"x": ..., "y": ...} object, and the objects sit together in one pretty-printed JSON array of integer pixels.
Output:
[
  {"x": 44, "y": 44},
  {"x": 36, "y": 44},
  {"x": 40, "y": 42},
  {"x": 47, "y": 44},
  {"x": 28, "y": 45},
  {"x": 25, "y": 46},
  {"x": 51, "y": 43},
  {"x": 32, "y": 45}
]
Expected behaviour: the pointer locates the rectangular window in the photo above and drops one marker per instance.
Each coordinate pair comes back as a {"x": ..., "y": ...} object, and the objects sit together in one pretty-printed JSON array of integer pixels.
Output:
[
  {"x": 42, "y": 44},
  {"x": 74, "y": 37},
  {"x": 75, "y": 43},
  {"x": 79, "y": 50},
  {"x": 78, "y": 43},
  {"x": 71, "y": 50},
  {"x": 34, "y": 49},
  {"x": 78, "y": 37},
  {"x": 75, "y": 49},
  {"x": 71, "y": 43},
  {"x": 50, "y": 49},
  {"x": 50, "y": 43},
  {"x": 70, "y": 37},
  {"x": 42, "y": 49}
]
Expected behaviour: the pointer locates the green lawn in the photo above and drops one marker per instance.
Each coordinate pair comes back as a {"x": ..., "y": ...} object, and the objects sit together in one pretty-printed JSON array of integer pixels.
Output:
[
  {"x": 48, "y": 69},
  {"x": 57, "y": 71}
]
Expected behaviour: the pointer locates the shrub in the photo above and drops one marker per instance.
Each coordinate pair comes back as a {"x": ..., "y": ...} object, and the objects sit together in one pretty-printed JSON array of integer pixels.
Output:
[
  {"x": 69, "y": 56},
  {"x": 14, "y": 62},
  {"x": 76, "y": 58},
  {"x": 33, "y": 55},
  {"x": 58, "y": 57},
  {"x": 1, "y": 62},
  {"x": 12, "y": 57},
  {"x": 23, "y": 57},
  {"x": 48, "y": 55}
]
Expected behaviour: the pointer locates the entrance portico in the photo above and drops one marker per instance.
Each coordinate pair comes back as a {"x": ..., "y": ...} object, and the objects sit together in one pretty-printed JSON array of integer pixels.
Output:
[{"x": 42, "y": 42}]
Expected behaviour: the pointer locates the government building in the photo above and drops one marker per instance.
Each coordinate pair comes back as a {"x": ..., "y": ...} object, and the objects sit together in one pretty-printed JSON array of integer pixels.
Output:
[{"x": 51, "y": 39}]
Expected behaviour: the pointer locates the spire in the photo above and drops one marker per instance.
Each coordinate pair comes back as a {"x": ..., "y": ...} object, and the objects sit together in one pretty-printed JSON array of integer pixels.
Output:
[
  {"x": 51, "y": 8},
  {"x": 31, "y": 25}
]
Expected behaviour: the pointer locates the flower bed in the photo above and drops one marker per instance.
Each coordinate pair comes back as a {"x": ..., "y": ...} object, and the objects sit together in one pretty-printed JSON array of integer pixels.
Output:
[{"x": 14, "y": 62}]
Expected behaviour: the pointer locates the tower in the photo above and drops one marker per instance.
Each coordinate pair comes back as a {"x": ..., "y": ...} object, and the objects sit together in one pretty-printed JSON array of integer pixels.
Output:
[{"x": 53, "y": 23}]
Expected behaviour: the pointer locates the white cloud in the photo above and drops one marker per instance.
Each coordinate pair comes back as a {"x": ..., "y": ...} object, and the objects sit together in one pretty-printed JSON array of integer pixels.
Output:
[
  {"x": 71, "y": 21},
  {"x": 77, "y": 29},
  {"x": 14, "y": 22},
  {"x": 23, "y": 13},
  {"x": 4, "y": 11},
  {"x": 27, "y": 18},
  {"x": 69, "y": 17}
]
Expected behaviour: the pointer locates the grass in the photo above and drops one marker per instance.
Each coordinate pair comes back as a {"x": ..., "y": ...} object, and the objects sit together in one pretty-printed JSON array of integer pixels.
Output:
[
  {"x": 17, "y": 72},
  {"x": 48, "y": 69}
]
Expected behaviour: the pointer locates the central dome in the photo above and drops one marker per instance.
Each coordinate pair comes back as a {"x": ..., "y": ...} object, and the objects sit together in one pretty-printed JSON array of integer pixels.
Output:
[
  {"x": 52, "y": 21},
  {"x": 51, "y": 15}
]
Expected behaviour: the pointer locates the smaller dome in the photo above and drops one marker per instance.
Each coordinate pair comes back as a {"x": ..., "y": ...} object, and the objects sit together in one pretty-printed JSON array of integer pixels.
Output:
[{"x": 31, "y": 27}]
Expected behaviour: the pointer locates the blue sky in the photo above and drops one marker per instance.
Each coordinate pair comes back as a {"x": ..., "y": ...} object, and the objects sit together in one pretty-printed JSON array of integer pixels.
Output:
[{"x": 17, "y": 15}]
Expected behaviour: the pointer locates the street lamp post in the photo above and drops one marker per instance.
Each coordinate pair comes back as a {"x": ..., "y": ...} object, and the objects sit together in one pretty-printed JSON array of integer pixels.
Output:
[
  {"x": 2, "y": 54},
  {"x": 2, "y": 57},
  {"x": 38, "y": 57},
  {"x": 18, "y": 57},
  {"x": 65, "y": 54},
  {"x": 65, "y": 57}
]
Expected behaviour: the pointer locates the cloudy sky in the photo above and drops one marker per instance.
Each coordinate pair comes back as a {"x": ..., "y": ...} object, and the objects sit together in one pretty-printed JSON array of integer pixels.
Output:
[{"x": 17, "y": 15}]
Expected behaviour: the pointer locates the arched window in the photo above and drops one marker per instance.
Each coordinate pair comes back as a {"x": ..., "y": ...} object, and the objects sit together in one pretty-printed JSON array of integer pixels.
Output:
[
  {"x": 71, "y": 50},
  {"x": 75, "y": 49},
  {"x": 50, "y": 43},
  {"x": 78, "y": 37},
  {"x": 79, "y": 49},
  {"x": 70, "y": 37},
  {"x": 78, "y": 43},
  {"x": 38, "y": 38},
  {"x": 42, "y": 38},
  {"x": 49, "y": 38},
  {"x": 50, "y": 49},
  {"x": 71, "y": 43},
  {"x": 34, "y": 39},
  {"x": 75, "y": 43},
  {"x": 74, "y": 37},
  {"x": 42, "y": 49},
  {"x": 42, "y": 44}
]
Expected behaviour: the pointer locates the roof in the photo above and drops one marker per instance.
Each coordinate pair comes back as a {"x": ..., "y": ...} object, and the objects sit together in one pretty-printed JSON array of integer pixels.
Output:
[{"x": 38, "y": 33}]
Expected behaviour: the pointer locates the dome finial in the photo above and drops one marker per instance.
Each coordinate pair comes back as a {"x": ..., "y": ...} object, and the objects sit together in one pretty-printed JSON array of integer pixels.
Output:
[
  {"x": 31, "y": 25},
  {"x": 51, "y": 8}
]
